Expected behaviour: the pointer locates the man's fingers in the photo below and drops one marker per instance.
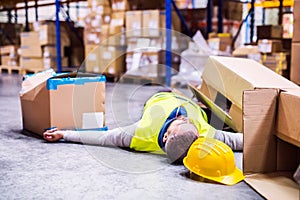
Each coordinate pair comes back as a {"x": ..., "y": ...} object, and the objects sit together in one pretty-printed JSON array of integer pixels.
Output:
[{"x": 52, "y": 130}]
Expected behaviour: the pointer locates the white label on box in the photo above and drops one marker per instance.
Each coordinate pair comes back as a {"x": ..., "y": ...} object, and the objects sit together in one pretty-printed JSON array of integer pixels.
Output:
[
  {"x": 111, "y": 70},
  {"x": 92, "y": 57},
  {"x": 107, "y": 55},
  {"x": 142, "y": 43},
  {"x": 96, "y": 69},
  {"x": 43, "y": 34},
  {"x": 136, "y": 58},
  {"x": 92, "y": 120}
]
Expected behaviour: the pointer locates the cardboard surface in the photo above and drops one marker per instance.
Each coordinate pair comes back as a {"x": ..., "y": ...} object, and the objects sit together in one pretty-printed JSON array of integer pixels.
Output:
[
  {"x": 295, "y": 63},
  {"x": 265, "y": 97},
  {"x": 268, "y": 161},
  {"x": 30, "y": 38},
  {"x": 259, "y": 108},
  {"x": 35, "y": 103},
  {"x": 288, "y": 126},
  {"x": 296, "y": 27},
  {"x": 134, "y": 23},
  {"x": 32, "y": 63},
  {"x": 49, "y": 100},
  {"x": 231, "y": 76},
  {"x": 75, "y": 100},
  {"x": 272, "y": 185},
  {"x": 151, "y": 23}
]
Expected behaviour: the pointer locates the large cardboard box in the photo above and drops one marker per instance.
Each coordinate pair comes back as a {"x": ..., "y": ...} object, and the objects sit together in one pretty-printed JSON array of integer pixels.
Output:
[
  {"x": 268, "y": 162},
  {"x": 295, "y": 63},
  {"x": 69, "y": 101}
]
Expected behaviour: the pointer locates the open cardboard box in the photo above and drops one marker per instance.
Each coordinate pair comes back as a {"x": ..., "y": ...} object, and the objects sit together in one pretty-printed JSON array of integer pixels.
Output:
[
  {"x": 65, "y": 101},
  {"x": 262, "y": 97}
]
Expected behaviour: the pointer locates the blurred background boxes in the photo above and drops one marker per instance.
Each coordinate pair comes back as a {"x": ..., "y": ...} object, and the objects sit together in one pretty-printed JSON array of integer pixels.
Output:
[{"x": 269, "y": 31}]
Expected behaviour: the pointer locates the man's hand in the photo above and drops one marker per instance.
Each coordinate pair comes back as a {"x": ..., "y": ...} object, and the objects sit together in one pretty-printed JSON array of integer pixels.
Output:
[{"x": 53, "y": 135}]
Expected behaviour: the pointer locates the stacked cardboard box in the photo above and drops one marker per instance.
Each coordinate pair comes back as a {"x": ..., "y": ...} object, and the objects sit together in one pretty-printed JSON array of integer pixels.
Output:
[
  {"x": 275, "y": 61},
  {"x": 38, "y": 48},
  {"x": 220, "y": 41},
  {"x": 10, "y": 34},
  {"x": 31, "y": 56},
  {"x": 9, "y": 55},
  {"x": 145, "y": 41},
  {"x": 104, "y": 41},
  {"x": 295, "y": 58},
  {"x": 269, "y": 31}
]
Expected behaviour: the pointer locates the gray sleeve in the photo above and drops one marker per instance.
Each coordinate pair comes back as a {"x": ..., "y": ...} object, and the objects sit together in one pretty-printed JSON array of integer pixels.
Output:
[
  {"x": 120, "y": 137},
  {"x": 233, "y": 140}
]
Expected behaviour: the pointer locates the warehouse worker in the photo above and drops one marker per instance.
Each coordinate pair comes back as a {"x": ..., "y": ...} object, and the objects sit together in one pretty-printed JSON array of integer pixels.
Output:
[{"x": 170, "y": 124}]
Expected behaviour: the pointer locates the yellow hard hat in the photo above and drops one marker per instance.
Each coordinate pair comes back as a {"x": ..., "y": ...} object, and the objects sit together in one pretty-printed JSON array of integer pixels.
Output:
[{"x": 214, "y": 160}]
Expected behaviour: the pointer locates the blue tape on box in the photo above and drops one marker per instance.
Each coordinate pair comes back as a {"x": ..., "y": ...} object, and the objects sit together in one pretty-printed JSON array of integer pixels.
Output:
[
  {"x": 105, "y": 128},
  {"x": 54, "y": 82}
]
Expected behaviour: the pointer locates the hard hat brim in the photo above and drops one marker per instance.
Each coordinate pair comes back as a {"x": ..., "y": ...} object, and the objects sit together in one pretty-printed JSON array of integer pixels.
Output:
[{"x": 231, "y": 179}]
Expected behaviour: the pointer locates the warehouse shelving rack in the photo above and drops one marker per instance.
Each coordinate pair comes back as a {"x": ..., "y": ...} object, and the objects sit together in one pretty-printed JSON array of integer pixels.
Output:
[{"x": 168, "y": 6}]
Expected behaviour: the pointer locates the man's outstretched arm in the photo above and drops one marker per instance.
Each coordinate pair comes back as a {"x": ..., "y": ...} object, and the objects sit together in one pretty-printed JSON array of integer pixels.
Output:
[{"x": 120, "y": 137}]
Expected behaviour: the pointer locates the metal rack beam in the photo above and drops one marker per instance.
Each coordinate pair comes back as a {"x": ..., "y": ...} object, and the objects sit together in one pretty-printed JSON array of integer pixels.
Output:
[
  {"x": 168, "y": 41},
  {"x": 58, "y": 41}
]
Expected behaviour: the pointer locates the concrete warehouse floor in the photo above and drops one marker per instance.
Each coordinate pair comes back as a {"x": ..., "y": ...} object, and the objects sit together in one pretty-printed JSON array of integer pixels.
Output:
[{"x": 31, "y": 168}]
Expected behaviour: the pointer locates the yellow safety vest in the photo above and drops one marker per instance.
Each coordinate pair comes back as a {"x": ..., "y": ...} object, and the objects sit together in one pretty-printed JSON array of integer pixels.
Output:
[{"x": 156, "y": 111}]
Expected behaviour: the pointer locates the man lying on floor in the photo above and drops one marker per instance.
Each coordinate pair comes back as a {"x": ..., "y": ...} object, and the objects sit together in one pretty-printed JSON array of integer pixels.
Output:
[{"x": 170, "y": 123}]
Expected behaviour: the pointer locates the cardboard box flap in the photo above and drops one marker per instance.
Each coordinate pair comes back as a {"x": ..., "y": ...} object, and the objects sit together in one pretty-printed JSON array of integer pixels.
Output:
[
  {"x": 231, "y": 76},
  {"x": 31, "y": 84},
  {"x": 274, "y": 186},
  {"x": 259, "y": 108},
  {"x": 288, "y": 126}
]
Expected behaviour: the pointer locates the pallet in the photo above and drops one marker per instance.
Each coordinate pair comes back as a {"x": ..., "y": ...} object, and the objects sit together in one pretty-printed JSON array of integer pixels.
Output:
[
  {"x": 10, "y": 69},
  {"x": 142, "y": 80},
  {"x": 33, "y": 71}
]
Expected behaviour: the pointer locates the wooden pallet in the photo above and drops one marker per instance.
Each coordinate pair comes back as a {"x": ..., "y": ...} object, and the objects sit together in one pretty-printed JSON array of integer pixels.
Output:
[
  {"x": 32, "y": 71},
  {"x": 133, "y": 79},
  {"x": 11, "y": 69}
]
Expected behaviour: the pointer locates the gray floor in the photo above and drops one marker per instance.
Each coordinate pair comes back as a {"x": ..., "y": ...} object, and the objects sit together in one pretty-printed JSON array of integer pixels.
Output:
[{"x": 31, "y": 168}]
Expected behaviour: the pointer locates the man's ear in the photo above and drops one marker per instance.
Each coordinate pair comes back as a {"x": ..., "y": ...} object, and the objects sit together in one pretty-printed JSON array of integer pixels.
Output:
[{"x": 166, "y": 135}]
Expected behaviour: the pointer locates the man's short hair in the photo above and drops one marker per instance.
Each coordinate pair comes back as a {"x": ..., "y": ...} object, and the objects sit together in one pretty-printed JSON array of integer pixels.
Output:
[{"x": 178, "y": 145}]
